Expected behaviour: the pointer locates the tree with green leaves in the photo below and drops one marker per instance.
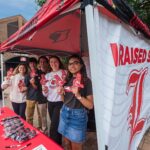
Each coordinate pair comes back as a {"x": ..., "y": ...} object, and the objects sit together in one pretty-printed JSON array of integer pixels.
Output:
[
  {"x": 40, "y": 2},
  {"x": 142, "y": 9}
]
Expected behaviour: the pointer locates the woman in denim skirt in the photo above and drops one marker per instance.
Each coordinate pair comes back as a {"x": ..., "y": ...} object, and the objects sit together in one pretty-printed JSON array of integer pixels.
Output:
[{"x": 73, "y": 115}]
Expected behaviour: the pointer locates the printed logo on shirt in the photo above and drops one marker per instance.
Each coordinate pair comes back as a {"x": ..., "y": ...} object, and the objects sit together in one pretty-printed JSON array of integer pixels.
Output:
[{"x": 52, "y": 83}]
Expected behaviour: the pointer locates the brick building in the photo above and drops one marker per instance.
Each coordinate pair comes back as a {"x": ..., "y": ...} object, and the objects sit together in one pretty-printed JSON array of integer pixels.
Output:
[{"x": 9, "y": 26}]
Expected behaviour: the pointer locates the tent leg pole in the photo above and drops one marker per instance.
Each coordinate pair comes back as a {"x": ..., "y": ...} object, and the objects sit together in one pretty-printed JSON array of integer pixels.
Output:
[{"x": 2, "y": 78}]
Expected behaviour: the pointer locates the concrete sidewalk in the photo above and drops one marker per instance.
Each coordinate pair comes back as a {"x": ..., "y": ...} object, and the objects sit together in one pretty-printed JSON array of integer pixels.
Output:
[{"x": 0, "y": 103}]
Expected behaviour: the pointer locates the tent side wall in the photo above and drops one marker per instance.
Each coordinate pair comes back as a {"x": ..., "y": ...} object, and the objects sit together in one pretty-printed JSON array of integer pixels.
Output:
[{"x": 120, "y": 73}]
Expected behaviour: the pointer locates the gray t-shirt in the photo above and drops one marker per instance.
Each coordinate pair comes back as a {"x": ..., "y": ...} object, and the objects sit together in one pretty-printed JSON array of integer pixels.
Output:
[{"x": 71, "y": 101}]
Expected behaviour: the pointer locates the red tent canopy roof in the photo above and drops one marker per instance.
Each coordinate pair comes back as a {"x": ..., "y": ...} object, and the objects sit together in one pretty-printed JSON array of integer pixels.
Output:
[
  {"x": 57, "y": 27},
  {"x": 49, "y": 29}
]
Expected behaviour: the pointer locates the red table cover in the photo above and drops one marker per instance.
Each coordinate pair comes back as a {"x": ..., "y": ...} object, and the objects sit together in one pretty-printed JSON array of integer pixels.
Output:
[{"x": 40, "y": 138}]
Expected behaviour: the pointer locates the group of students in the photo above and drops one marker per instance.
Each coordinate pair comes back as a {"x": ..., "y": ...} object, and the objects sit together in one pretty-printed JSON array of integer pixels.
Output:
[{"x": 40, "y": 88}]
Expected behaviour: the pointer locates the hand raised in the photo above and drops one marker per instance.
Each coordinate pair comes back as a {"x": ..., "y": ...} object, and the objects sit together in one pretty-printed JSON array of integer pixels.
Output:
[
  {"x": 32, "y": 80},
  {"x": 44, "y": 89},
  {"x": 60, "y": 90},
  {"x": 75, "y": 90}
]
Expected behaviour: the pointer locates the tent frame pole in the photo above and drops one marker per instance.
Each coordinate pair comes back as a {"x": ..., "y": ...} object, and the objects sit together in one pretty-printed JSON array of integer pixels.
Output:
[
  {"x": 86, "y": 2},
  {"x": 83, "y": 5},
  {"x": 2, "y": 77}
]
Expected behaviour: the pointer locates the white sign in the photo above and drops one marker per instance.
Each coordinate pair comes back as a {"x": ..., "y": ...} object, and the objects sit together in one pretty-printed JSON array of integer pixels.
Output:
[
  {"x": 40, "y": 147},
  {"x": 120, "y": 70}
]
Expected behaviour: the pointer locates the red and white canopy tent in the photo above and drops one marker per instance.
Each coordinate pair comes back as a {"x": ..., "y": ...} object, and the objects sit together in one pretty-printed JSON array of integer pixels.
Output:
[
  {"x": 59, "y": 26},
  {"x": 118, "y": 56},
  {"x": 54, "y": 28}
]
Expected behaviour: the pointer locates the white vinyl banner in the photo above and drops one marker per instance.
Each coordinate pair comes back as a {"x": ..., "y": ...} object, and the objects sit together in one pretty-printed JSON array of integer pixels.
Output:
[{"x": 120, "y": 70}]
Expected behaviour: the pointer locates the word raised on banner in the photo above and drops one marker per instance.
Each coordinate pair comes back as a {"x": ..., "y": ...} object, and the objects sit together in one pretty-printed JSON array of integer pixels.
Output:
[{"x": 125, "y": 55}]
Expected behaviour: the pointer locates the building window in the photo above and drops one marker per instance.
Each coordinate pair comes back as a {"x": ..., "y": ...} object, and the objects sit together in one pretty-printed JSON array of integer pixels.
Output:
[{"x": 12, "y": 27}]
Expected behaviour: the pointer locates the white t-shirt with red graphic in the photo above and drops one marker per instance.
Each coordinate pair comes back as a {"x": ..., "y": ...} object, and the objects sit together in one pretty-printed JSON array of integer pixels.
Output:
[
  {"x": 15, "y": 94},
  {"x": 51, "y": 84}
]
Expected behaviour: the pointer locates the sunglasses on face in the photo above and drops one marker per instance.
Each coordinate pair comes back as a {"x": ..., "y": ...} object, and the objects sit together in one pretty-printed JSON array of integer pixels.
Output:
[{"x": 74, "y": 63}]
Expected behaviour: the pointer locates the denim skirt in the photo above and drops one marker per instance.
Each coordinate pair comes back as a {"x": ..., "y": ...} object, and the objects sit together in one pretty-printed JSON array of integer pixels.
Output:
[{"x": 73, "y": 124}]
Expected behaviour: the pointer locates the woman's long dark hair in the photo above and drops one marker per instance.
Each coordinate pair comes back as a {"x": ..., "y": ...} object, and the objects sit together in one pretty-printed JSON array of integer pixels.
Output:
[
  {"x": 61, "y": 66},
  {"x": 43, "y": 57},
  {"x": 82, "y": 71}
]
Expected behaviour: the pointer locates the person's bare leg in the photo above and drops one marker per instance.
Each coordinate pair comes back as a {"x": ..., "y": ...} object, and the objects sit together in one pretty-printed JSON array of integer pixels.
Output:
[
  {"x": 67, "y": 144},
  {"x": 77, "y": 146}
]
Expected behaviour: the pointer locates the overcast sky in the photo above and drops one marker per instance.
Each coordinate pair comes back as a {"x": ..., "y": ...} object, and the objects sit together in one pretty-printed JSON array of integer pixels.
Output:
[{"x": 26, "y": 8}]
